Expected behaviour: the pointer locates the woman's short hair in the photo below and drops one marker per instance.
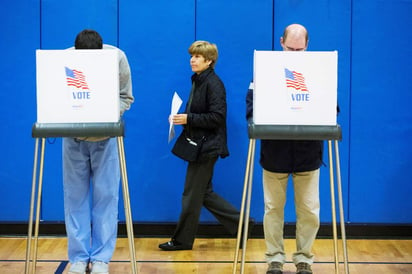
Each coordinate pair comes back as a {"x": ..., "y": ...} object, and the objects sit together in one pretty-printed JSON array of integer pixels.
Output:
[{"x": 206, "y": 49}]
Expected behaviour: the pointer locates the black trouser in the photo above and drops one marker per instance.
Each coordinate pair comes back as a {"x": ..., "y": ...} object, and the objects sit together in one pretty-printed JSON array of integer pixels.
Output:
[{"x": 198, "y": 192}]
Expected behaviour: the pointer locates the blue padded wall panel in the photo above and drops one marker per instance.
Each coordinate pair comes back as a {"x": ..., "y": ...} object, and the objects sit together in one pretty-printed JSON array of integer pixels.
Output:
[
  {"x": 237, "y": 28},
  {"x": 373, "y": 42},
  {"x": 381, "y": 114},
  {"x": 61, "y": 21},
  {"x": 156, "y": 38},
  {"x": 19, "y": 37}
]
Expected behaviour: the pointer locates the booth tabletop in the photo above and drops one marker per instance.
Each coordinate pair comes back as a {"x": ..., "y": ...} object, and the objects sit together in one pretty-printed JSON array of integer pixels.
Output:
[
  {"x": 42, "y": 130},
  {"x": 294, "y": 132}
]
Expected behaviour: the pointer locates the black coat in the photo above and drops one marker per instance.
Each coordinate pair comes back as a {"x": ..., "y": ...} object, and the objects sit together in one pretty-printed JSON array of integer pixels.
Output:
[
  {"x": 207, "y": 116},
  {"x": 287, "y": 156}
]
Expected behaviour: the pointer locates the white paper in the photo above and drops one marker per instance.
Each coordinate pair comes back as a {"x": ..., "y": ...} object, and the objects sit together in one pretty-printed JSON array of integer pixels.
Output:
[{"x": 176, "y": 103}]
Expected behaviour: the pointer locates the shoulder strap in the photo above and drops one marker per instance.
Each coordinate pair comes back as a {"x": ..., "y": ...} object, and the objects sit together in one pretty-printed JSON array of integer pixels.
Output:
[
  {"x": 190, "y": 97},
  {"x": 189, "y": 104}
]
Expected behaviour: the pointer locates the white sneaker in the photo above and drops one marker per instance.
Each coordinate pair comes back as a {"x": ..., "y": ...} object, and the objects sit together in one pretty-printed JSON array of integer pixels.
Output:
[
  {"x": 78, "y": 268},
  {"x": 100, "y": 268}
]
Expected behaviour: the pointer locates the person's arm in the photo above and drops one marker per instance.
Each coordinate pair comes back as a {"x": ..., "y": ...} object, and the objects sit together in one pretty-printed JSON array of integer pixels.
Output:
[
  {"x": 249, "y": 101},
  {"x": 125, "y": 83}
]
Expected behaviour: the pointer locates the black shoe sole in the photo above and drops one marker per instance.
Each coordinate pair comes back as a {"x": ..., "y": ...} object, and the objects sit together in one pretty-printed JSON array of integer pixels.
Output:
[
  {"x": 168, "y": 247},
  {"x": 175, "y": 248}
]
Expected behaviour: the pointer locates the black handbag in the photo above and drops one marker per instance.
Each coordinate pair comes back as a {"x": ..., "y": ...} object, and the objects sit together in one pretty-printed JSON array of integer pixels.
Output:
[{"x": 186, "y": 148}]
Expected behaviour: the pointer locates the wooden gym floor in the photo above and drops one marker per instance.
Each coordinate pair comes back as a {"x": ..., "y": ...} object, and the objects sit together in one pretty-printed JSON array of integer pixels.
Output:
[{"x": 213, "y": 255}]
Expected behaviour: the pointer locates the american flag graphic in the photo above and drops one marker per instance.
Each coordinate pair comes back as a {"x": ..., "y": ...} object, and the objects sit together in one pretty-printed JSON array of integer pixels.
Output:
[
  {"x": 295, "y": 80},
  {"x": 76, "y": 78}
]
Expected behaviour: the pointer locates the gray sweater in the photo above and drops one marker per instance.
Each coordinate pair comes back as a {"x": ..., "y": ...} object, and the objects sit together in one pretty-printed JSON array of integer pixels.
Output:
[{"x": 125, "y": 80}]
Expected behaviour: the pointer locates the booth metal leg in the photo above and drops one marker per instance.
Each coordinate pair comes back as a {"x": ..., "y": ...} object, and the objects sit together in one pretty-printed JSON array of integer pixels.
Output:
[
  {"x": 31, "y": 252},
  {"x": 126, "y": 198},
  {"x": 244, "y": 216},
  {"x": 332, "y": 197},
  {"x": 341, "y": 214}
]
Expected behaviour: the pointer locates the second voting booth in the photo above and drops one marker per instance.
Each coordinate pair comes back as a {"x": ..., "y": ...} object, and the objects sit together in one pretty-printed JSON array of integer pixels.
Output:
[
  {"x": 77, "y": 96},
  {"x": 294, "y": 98}
]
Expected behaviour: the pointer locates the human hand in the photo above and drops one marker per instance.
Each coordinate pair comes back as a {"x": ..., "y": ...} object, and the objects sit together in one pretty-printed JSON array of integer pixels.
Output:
[{"x": 179, "y": 119}]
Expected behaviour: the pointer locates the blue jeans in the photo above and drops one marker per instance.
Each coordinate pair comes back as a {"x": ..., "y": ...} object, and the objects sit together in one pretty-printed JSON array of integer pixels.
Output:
[{"x": 91, "y": 177}]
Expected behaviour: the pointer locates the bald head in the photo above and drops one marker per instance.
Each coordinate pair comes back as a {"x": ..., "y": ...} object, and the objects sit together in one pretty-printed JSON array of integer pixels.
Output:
[{"x": 295, "y": 38}]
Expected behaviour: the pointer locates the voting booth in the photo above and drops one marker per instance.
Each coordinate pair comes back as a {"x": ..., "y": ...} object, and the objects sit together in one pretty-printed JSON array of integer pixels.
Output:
[
  {"x": 295, "y": 88},
  {"x": 294, "y": 98},
  {"x": 77, "y": 96}
]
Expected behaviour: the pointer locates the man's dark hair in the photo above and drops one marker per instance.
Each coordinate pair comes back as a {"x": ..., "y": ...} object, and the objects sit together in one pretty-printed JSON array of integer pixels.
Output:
[{"x": 88, "y": 39}]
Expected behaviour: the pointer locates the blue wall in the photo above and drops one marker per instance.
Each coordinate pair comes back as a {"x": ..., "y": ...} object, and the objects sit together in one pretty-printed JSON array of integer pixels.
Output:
[{"x": 373, "y": 41}]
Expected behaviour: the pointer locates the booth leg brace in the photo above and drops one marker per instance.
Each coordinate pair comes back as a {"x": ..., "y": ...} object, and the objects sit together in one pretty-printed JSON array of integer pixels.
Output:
[
  {"x": 31, "y": 251},
  {"x": 244, "y": 218},
  {"x": 340, "y": 201},
  {"x": 126, "y": 199}
]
